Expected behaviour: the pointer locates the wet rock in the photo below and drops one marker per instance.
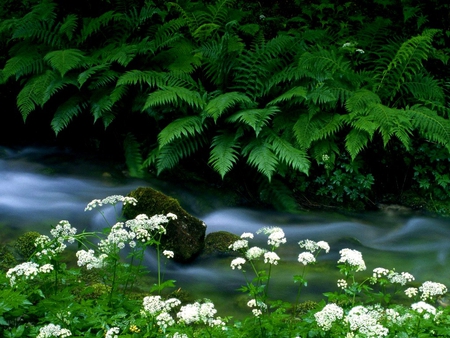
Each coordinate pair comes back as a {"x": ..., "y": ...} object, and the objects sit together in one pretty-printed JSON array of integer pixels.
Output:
[
  {"x": 217, "y": 243},
  {"x": 185, "y": 236}
]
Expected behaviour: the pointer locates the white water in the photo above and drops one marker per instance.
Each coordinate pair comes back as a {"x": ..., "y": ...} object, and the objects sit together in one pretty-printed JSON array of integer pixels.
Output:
[{"x": 37, "y": 189}]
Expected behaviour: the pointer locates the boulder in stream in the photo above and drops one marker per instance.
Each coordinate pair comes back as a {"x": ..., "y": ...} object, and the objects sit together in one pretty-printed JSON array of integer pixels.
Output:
[{"x": 185, "y": 236}]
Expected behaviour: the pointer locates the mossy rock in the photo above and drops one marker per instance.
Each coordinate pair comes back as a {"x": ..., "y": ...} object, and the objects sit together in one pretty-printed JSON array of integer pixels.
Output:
[
  {"x": 24, "y": 244},
  {"x": 218, "y": 242},
  {"x": 185, "y": 236},
  {"x": 7, "y": 259}
]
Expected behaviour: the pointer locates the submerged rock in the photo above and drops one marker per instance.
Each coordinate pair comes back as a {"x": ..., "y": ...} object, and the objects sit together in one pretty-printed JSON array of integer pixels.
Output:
[
  {"x": 185, "y": 236},
  {"x": 218, "y": 242}
]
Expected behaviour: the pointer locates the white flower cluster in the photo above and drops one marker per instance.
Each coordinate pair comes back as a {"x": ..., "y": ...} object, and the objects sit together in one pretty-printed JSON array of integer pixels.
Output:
[
  {"x": 352, "y": 258},
  {"x": 178, "y": 335},
  {"x": 271, "y": 258},
  {"x": 48, "y": 248},
  {"x": 154, "y": 305},
  {"x": 112, "y": 332},
  {"x": 424, "y": 308},
  {"x": 276, "y": 236},
  {"x": 237, "y": 263},
  {"x": 380, "y": 272},
  {"x": 400, "y": 278},
  {"x": 168, "y": 253},
  {"x": 240, "y": 244},
  {"x": 313, "y": 246},
  {"x": 255, "y": 253},
  {"x": 52, "y": 330},
  {"x": 365, "y": 320},
  {"x": 431, "y": 289},
  {"x": 112, "y": 200},
  {"x": 306, "y": 258},
  {"x": 411, "y": 292},
  {"x": 342, "y": 284},
  {"x": 328, "y": 315},
  {"x": 88, "y": 259},
  {"x": 116, "y": 239},
  {"x": 27, "y": 270},
  {"x": 258, "y": 307},
  {"x": 199, "y": 313}
]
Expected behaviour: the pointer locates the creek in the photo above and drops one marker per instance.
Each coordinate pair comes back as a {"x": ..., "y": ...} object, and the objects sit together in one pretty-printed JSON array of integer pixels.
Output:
[{"x": 39, "y": 187}]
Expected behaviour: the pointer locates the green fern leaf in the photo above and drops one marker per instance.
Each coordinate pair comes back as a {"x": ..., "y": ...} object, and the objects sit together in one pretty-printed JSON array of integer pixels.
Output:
[
  {"x": 64, "y": 60},
  {"x": 69, "y": 25},
  {"x": 260, "y": 155},
  {"x": 28, "y": 61},
  {"x": 93, "y": 25},
  {"x": 174, "y": 96},
  {"x": 218, "y": 105},
  {"x": 179, "y": 129},
  {"x": 33, "y": 93},
  {"x": 133, "y": 157},
  {"x": 135, "y": 76},
  {"x": 255, "y": 118},
  {"x": 224, "y": 153},
  {"x": 66, "y": 112},
  {"x": 293, "y": 157},
  {"x": 355, "y": 141},
  {"x": 296, "y": 92},
  {"x": 56, "y": 84},
  {"x": 361, "y": 100},
  {"x": 88, "y": 73}
]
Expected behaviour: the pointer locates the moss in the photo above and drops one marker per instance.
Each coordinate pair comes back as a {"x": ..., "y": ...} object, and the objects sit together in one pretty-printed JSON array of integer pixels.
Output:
[
  {"x": 7, "y": 259},
  {"x": 185, "y": 236},
  {"x": 218, "y": 242},
  {"x": 24, "y": 244}
]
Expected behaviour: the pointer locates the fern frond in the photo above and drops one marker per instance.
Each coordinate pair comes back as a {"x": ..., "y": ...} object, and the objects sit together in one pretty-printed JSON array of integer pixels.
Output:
[
  {"x": 33, "y": 93},
  {"x": 93, "y": 25},
  {"x": 88, "y": 73},
  {"x": 424, "y": 88},
  {"x": 361, "y": 100},
  {"x": 27, "y": 63},
  {"x": 180, "y": 129},
  {"x": 174, "y": 95},
  {"x": 171, "y": 154},
  {"x": 101, "y": 104},
  {"x": 133, "y": 157},
  {"x": 56, "y": 84},
  {"x": 66, "y": 112},
  {"x": 123, "y": 54},
  {"x": 355, "y": 141},
  {"x": 218, "y": 105},
  {"x": 287, "y": 153},
  {"x": 135, "y": 76},
  {"x": 295, "y": 92},
  {"x": 68, "y": 26},
  {"x": 308, "y": 129},
  {"x": 324, "y": 62},
  {"x": 260, "y": 155},
  {"x": 430, "y": 124},
  {"x": 64, "y": 60},
  {"x": 103, "y": 79},
  {"x": 255, "y": 118},
  {"x": 224, "y": 152}
]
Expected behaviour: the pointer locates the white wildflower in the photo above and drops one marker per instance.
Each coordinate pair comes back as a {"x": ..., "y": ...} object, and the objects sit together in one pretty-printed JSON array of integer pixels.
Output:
[
  {"x": 328, "y": 315},
  {"x": 306, "y": 258},
  {"x": 271, "y": 258},
  {"x": 52, "y": 330},
  {"x": 365, "y": 321},
  {"x": 380, "y": 272},
  {"x": 88, "y": 259},
  {"x": 239, "y": 245},
  {"x": 431, "y": 289},
  {"x": 168, "y": 253},
  {"x": 352, "y": 258},
  {"x": 400, "y": 278},
  {"x": 237, "y": 263},
  {"x": 425, "y": 308},
  {"x": 29, "y": 270},
  {"x": 247, "y": 235},
  {"x": 112, "y": 332},
  {"x": 254, "y": 253},
  {"x": 342, "y": 283},
  {"x": 411, "y": 292},
  {"x": 276, "y": 235}
]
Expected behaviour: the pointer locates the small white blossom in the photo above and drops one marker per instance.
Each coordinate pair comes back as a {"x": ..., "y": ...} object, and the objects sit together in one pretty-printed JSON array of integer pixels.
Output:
[
  {"x": 342, "y": 283},
  {"x": 425, "y": 308},
  {"x": 239, "y": 245},
  {"x": 328, "y": 315},
  {"x": 52, "y": 330},
  {"x": 276, "y": 235},
  {"x": 247, "y": 235},
  {"x": 168, "y": 253},
  {"x": 352, "y": 258},
  {"x": 88, "y": 259},
  {"x": 400, "y": 278},
  {"x": 29, "y": 270},
  {"x": 112, "y": 332},
  {"x": 112, "y": 200},
  {"x": 411, "y": 292},
  {"x": 46, "y": 268},
  {"x": 380, "y": 272},
  {"x": 164, "y": 320},
  {"x": 359, "y": 50},
  {"x": 365, "y": 321},
  {"x": 237, "y": 263},
  {"x": 306, "y": 258},
  {"x": 431, "y": 289},
  {"x": 271, "y": 258},
  {"x": 254, "y": 253}
]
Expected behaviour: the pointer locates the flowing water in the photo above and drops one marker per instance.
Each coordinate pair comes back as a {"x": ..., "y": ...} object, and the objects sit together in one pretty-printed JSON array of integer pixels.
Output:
[{"x": 40, "y": 187}]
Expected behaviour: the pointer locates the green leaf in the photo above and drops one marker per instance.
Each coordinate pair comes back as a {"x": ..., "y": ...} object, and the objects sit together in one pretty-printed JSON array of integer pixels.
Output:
[
  {"x": 185, "y": 126},
  {"x": 355, "y": 141},
  {"x": 293, "y": 157},
  {"x": 218, "y": 105},
  {"x": 224, "y": 152},
  {"x": 255, "y": 118},
  {"x": 261, "y": 156},
  {"x": 174, "y": 95},
  {"x": 295, "y": 92},
  {"x": 64, "y": 60}
]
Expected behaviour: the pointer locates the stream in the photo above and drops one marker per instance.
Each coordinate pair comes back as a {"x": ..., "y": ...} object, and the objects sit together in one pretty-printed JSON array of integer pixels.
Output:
[{"x": 39, "y": 187}]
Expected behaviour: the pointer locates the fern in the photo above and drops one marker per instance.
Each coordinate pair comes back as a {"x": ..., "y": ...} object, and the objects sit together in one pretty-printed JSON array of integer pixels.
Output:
[
  {"x": 56, "y": 84},
  {"x": 255, "y": 118},
  {"x": 133, "y": 157},
  {"x": 93, "y": 25},
  {"x": 356, "y": 140},
  {"x": 224, "y": 152},
  {"x": 175, "y": 96},
  {"x": 152, "y": 78},
  {"x": 34, "y": 93},
  {"x": 260, "y": 155},
  {"x": 185, "y": 126},
  {"x": 88, "y": 73},
  {"x": 295, "y": 92},
  {"x": 64, "y": 60},
  {"x": 218, "y": 105},
  {"x": 26, "y": 62},
  {"x": 68, "y": 26},
  {"x": 66, "y": 112},
  {"x": 293, "y": 157}
]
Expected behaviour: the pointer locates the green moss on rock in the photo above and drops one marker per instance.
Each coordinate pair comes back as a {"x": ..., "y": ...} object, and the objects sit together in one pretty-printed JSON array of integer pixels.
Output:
[
  {"x": 24, "y": 244},
  {"x": 218, "y": 242},
  {"x": 185, "y": 236}
]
